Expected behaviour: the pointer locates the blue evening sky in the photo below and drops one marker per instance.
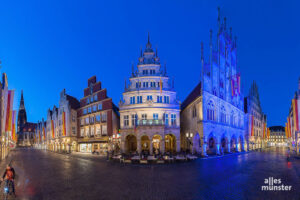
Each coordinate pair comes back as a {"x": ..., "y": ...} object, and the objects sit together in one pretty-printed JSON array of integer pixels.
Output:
[{"x": 46, "y": 46}]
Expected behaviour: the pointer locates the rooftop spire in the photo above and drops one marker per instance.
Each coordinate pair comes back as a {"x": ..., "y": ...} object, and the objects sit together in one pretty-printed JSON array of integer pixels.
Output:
[
  {"x": 219, "y": 18},
  {"x": 132, "y": 68},
  {"x": 224, "y": 23},
  {"x": 210, "y": 37},
  {"x": 148, "y": 43},
  {"x": 202, "y": 54},
  {"x": 22, "y": 106}
]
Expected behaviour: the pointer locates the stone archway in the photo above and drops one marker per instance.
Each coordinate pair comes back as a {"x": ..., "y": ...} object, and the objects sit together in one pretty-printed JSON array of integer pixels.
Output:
[
  {"x": 233, "y": 144},
  {"x": 170, "y": 143},
  {"x": 145, "y": 144},
  {"x": 241, "y": 143},
  {"x": 196, "y": 144},
  {"x": 156, "y": 144},
  {"x": 131, "y": 144},
  {"x": 224, "y": 144},
  {"x": 211, "y": 145}
]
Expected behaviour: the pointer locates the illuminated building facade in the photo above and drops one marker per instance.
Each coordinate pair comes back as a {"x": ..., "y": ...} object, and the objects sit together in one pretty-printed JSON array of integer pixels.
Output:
[
  {"x": 277, "y": 136},
  {"x": 212, "y": 116},
  {"x": 61, "y": 125},
  {"x": 256, "y": 120},
  {"x": 149, "y": 110},
  {"x": 293, "y": 122},
  {"x": 98, "y": 119}
]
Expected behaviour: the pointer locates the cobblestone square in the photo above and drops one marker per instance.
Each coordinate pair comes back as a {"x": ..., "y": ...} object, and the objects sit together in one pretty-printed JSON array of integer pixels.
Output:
[{"x": 47, "y": 175}]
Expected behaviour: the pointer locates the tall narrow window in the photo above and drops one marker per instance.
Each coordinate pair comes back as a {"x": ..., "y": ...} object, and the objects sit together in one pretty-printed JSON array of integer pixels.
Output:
[
  {"x": 166, "y": 119},
  {"x": 134, "y": 119},
  {"x": 139, "y": 99},
  {"x": 210, "y": 111},
  {"x": 173, "y": 119},
  {"x": 155, "y": 116},
  {"x": 159, "y": 99},
  {"x": 132, "y": 100},
  {"x": 126, "y": 120}
]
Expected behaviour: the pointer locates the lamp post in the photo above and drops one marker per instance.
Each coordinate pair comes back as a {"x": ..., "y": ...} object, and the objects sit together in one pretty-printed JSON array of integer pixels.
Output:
[{"x": 189, "y": 136}]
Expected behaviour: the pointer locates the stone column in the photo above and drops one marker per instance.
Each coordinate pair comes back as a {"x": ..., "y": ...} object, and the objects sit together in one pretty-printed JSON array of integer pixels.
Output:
[
  {"x": 139, "y": 147},
  {"x": 237, "y": 147},
  {"x": 123, "y": 146},
  {"x": 204, "y": 149},
  {"x": 218, "y": 149},
  {"x": 151, "y": 148},
  {"x": 162, "y": 146},
  {"x": 243, "y": 146},
  {"x": 229, "y": 147},
  {"x": 178, "y": 145}
]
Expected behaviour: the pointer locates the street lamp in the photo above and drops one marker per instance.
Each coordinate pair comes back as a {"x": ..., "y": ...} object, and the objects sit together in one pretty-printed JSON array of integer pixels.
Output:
[{"x": 189, "y": 136}]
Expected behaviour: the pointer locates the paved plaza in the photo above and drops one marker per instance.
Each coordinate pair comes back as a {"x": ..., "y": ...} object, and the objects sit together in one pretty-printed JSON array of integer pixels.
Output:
[{"x": 46, "y": 175}]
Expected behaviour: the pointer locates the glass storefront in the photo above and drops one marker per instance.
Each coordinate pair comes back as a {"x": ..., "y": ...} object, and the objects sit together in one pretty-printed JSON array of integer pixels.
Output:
[{"x": 85, "y": 148}]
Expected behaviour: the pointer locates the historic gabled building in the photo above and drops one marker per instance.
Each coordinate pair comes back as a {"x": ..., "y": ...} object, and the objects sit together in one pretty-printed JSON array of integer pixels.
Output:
[
  {"x": 293, "y": 122},
  {"x": 98, "y": 119},
  {"x": 26, "y": 130},
  {"x": 256, "y": 120},
  {"x": 149, "y": 110},
  {"x": 212, "y": 116},
  {"x": 61, "y": 125},
  {"x": 277, "y": 136},
  {"x": 40, "y": 135}
]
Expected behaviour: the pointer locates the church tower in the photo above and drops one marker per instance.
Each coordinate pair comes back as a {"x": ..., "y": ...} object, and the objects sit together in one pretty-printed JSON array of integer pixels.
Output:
[{"x": 22, "y": 118}]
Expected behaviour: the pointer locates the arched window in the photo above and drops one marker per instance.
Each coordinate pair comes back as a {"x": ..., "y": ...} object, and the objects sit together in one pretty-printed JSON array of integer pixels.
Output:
[
  {"x": 210, "y": 111},
  {"x": 214, "y": 91},
  {"x": 223, "y": 115},
  {"x": 221, "y": 95}
]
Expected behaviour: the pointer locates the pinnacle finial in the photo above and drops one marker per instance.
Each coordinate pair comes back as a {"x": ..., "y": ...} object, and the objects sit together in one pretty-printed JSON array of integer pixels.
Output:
[
  {"x": 132, "y": 68},
  {"x": 148, "y": 37},
  {"x": 165, "y": 68},
  {"x": 224, "y": 23},
  {"x": 210, "y": 36},
  {"x": 141, "y": 52},
  {"x": 156, "y": 52},
  {"x": 202, "y": 54},
  {"x": 219, "y": 14}
]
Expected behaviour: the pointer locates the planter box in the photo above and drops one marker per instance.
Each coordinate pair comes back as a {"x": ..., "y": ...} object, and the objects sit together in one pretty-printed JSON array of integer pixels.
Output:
[{"x": 127, "y": 161}]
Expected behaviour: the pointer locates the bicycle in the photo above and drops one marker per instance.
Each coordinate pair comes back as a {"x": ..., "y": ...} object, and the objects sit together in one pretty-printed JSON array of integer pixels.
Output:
[{"x": 7, "y": 189}]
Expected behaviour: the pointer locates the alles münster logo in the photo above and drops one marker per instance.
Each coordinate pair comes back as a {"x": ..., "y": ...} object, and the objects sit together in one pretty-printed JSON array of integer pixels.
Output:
[{"x": 274, "y": 184}]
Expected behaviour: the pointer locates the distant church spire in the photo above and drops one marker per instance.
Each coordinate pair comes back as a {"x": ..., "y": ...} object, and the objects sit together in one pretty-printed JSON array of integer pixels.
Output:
[
  {"x": 22, "y": 106},
  {"x": 22, "y": 117}
]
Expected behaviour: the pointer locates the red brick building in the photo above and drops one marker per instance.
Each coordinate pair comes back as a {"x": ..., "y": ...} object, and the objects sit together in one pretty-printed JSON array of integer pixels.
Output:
[{"x": 98, "y": 119}]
